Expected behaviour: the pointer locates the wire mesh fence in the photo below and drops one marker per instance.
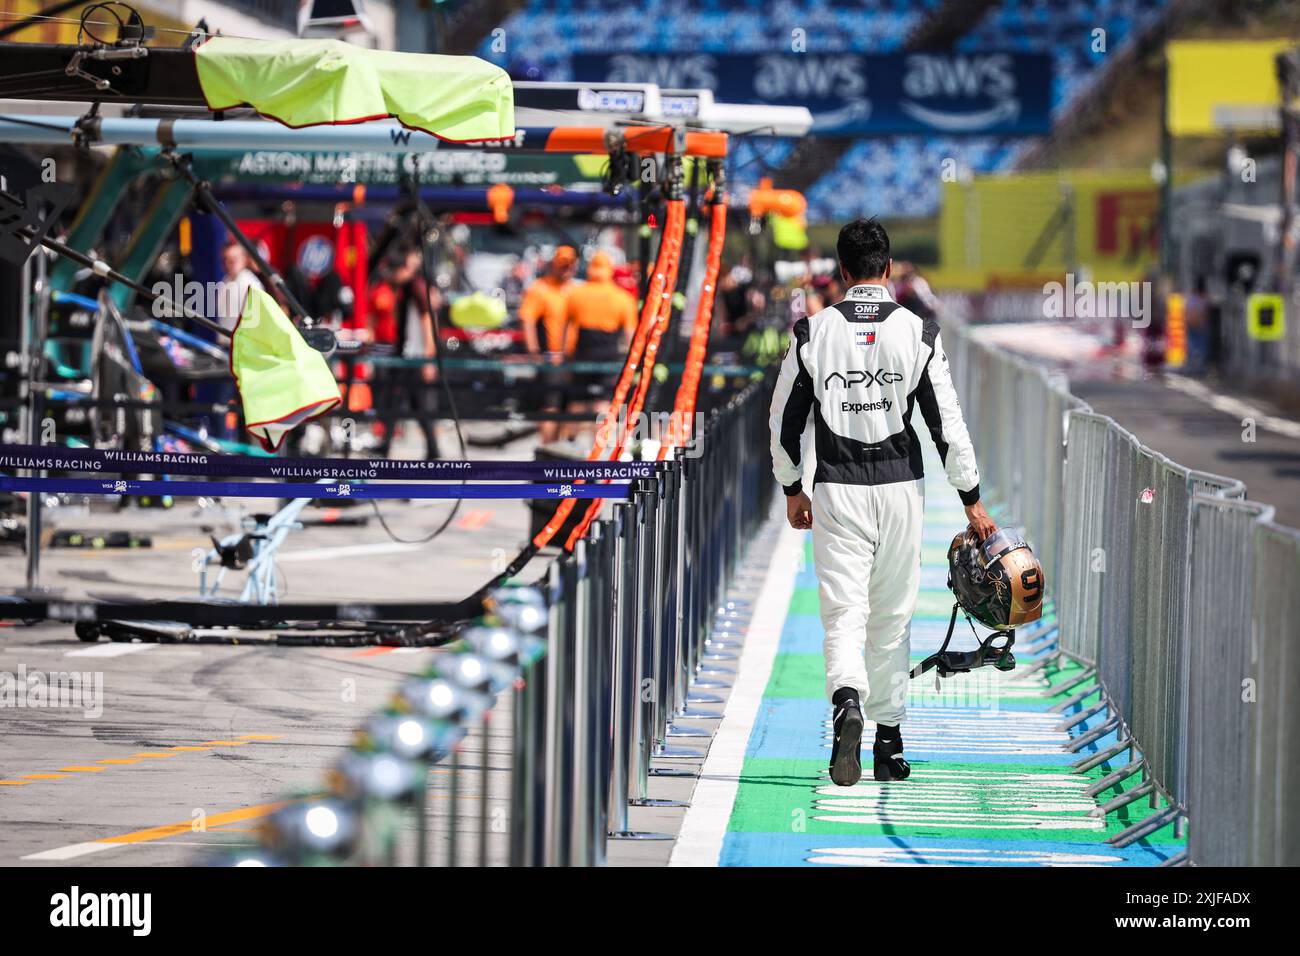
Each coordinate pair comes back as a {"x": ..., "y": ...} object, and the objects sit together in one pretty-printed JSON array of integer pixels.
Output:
[{"x": 1178, "y": 595}]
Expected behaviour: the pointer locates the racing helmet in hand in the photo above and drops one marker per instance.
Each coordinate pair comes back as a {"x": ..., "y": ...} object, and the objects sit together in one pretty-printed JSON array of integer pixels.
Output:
[{"x": 998, "y": 582}]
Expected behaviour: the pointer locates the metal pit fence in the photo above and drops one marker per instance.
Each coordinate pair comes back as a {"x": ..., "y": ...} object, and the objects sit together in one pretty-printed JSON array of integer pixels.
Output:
[
  {"x": 528, "y": 739},
  {"x": 1178, "y": 598}
]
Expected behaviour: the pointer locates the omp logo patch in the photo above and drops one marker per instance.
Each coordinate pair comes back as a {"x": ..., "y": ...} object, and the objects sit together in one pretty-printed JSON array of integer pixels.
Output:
[{"x": 854, "y": 378}]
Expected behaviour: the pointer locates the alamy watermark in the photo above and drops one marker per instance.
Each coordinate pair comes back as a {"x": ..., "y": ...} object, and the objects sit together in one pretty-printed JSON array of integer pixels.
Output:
[
  {"x": 662, "y": 427},
  {"x": 53, "y": 690},
  {"x": 1085, "y": 299},
  {"x": 206, "y": 298}
]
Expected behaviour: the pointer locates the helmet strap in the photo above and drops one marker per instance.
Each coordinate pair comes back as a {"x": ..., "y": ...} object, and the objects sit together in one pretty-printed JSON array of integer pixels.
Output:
[{"x": 945, "y": 663}]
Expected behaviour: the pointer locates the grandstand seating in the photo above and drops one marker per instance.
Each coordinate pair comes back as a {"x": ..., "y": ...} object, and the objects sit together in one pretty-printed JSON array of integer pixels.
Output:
[
  {"x": 899, "y": 175},
  {"x": 549, "y": 32},
  {"x": 890, "y": 176},
  {"x": 1064, "y": 29},
  {"x": 753, "y": 157}
]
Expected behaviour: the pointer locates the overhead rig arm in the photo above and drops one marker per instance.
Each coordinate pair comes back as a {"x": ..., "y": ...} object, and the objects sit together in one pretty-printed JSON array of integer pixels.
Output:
[
  {"x": 127, "y": 74},
  {"x": 376, "y": 137},
  {"x": 158, "y": 76}
]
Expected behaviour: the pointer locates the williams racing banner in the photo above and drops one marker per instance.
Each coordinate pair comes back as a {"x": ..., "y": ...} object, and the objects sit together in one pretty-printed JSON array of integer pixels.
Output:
[{"x": 946, "y": 92}]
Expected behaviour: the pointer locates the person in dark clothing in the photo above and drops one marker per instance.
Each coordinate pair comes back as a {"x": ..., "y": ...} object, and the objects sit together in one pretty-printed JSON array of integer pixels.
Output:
[
  {"x": 409, "y": 390},
  {"x": 1153, "y": 336},
  {"x": 1197, "y": 315}
]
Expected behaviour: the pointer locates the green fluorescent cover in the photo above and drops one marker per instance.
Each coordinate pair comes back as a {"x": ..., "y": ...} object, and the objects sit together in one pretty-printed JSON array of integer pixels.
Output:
[
  {"x": 315, "y": 82},
  {"x": 282, "y": 380}
]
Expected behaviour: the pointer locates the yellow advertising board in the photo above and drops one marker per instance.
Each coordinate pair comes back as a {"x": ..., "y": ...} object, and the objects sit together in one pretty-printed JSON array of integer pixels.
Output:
[
  {"x": 1025, "y": 229},
  {"x": 1221, "y": 85}
]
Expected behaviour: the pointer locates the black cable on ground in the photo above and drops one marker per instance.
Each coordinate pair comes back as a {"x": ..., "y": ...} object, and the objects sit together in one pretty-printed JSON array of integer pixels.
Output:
[{"x": 423, "y": 221}]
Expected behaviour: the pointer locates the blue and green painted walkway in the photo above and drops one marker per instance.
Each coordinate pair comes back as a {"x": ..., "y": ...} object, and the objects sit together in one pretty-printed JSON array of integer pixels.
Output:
[{"x": 991, "y": 780}]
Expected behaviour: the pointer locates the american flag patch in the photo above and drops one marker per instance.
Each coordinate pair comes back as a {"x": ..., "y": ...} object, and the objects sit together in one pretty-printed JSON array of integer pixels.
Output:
[{"x": 865, "y": 337}]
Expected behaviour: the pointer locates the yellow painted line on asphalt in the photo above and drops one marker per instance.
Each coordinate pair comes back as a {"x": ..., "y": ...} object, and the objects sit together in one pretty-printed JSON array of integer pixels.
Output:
[
  {"x": 214, "y": 820},
  {"x": 66, "y": 772},
  {"x": 154, "y": 833}
]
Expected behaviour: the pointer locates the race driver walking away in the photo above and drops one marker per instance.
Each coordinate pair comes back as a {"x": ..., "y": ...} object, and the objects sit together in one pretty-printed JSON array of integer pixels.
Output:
[{"x": 859, "y": 367}]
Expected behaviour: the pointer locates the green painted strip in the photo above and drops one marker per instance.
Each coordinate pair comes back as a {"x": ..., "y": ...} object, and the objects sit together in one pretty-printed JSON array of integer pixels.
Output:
[{"x": 997, "y": 801}]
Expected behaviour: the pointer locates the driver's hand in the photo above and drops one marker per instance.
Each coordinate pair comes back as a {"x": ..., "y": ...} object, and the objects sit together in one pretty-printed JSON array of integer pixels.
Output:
[
  {"x": 798, "y": 510},
  {"x": 979, "y": 520}
]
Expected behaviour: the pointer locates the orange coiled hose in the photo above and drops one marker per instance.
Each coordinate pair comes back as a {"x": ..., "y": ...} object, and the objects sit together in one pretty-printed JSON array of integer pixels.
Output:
[
  {"x": 658, "y": 301},
  {"x": 681, "y": 425},
  {"x": 651, "y": 350}
]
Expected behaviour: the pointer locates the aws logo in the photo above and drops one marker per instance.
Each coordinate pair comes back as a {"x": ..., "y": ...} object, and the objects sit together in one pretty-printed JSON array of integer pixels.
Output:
[
  {"x": 960, "y": 93},
  {"x": 689, "y": 72},
  {"x": 861, "y": 377}
]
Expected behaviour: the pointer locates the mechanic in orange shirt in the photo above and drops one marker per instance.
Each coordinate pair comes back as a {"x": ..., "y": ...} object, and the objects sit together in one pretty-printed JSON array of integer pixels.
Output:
[
  {"x": 601, "y": 322},
  {"x": 546, "y": 301}
]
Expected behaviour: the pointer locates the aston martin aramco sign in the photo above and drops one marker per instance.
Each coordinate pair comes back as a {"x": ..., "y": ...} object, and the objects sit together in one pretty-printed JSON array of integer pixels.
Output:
[
  {"x": 450, "y": 168},
  {"x": 953, "y": 93}
]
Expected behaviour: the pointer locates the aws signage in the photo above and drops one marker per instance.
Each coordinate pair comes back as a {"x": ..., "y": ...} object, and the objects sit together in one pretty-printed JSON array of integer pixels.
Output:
[{"x": 946, "y": 92}]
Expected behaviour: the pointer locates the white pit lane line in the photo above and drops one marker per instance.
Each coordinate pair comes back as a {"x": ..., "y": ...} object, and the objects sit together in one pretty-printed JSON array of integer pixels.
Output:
[
  {"x": 113, "y": 649},
  {"x": 1233, "y": 406},
  {"x": 705, "y": 826},
  {"x": 345, "y": 551},
  {"x": 72, "y": 851}
]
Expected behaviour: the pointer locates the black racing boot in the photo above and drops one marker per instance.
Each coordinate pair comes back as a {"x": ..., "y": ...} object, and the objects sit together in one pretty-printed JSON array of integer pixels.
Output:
[
  {"x": 887, "y": 754},
  {"x": 846, "y": 757}
]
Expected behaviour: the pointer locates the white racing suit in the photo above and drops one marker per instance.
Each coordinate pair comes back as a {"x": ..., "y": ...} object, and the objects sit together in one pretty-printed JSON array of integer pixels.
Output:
[{"x": 859, "y": 367}]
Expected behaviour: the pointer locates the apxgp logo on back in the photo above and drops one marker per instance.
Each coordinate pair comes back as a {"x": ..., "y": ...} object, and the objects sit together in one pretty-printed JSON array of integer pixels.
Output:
[{"x": 861, "y": 377}]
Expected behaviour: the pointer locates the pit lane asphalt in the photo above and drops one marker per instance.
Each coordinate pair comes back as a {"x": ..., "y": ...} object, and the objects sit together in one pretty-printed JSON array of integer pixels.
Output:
[
  {"x": 1202, "y": 437},
  {"x": 216, "y": 733}
]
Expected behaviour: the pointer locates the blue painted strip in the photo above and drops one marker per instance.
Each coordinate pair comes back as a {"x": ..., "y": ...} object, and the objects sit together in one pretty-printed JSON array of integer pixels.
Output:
[
  {"x": 967, "y": 724},
  {"x": 801, "y": 849}
]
